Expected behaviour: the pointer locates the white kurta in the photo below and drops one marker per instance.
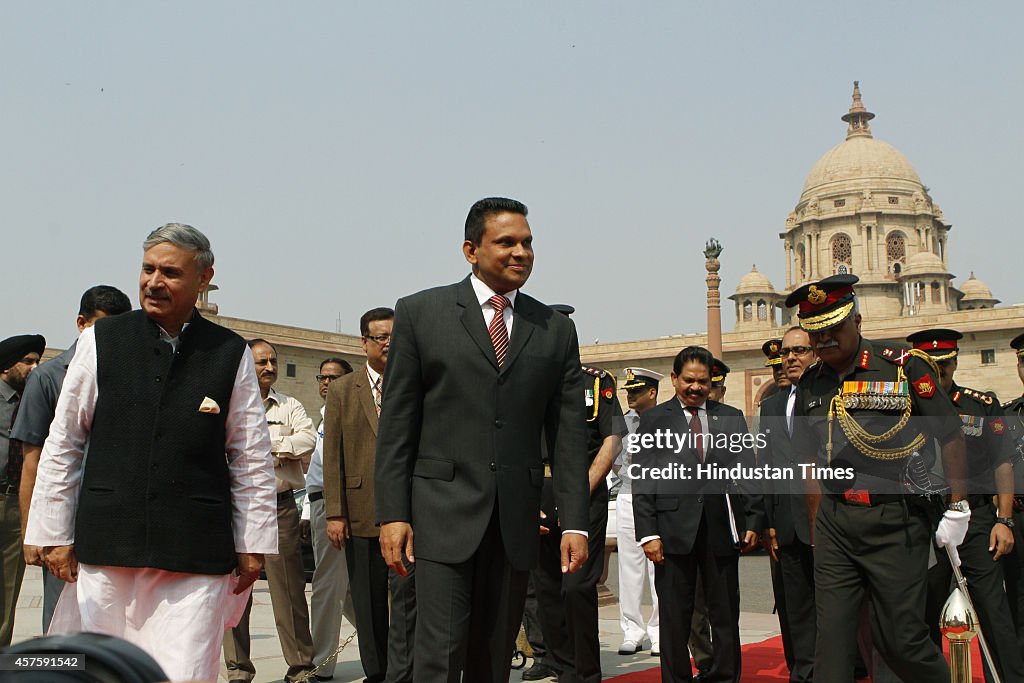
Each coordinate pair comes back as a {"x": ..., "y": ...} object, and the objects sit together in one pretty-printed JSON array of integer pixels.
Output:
[{"x": 159, "y": 611}]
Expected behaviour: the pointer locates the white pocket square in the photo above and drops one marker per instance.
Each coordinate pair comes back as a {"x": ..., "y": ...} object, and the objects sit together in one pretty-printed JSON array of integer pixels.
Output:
[{"x": 209, "y": 406}]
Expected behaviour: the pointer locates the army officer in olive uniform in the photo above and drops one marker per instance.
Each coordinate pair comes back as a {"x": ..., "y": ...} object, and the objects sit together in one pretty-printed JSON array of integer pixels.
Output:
[
  {"x": 567, "y": 603},
  {"x": 989, "y": 539},
  {"x": 851, "y": 420}
]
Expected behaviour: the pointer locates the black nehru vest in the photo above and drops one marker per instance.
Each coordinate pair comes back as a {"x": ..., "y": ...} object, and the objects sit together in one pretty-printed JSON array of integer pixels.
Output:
[{"x": 156, "y": 491}]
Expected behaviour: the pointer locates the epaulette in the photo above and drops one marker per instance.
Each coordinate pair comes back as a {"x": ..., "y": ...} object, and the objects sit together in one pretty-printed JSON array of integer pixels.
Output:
[
  {"x": 596, "y": 372},
  {"x": 1009, "y": 404},
  {"x": 977, "y": 395}
]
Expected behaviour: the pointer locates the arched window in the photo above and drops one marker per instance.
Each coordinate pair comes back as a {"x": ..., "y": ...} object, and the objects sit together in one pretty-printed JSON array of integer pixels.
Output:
[
  {"x": 896, "y": 252},
  {"x": 748, "y": 311},
  {"x": 801, "y": 261},
  {"x": 936, "y": 293},
  {"x": 762, "y": 310},
  {"x": 842, "y": 253}
]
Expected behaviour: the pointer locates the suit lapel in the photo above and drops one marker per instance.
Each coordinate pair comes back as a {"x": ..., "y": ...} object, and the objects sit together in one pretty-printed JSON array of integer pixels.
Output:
[
  {"x": 364, "y": 395},
  {"x": 473, "y": 320},
  {"x": 523, "y": 325}
]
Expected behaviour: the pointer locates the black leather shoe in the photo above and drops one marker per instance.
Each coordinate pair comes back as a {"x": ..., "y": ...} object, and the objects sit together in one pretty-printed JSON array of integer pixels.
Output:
[
  {"x": 701, "y": 676},
  {"x": 539, "y": 672}
]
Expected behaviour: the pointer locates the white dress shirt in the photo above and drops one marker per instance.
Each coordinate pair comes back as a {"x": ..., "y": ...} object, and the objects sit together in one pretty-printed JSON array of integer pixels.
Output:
[
  {"x": 484, "y": 294},
  {"x": 246, "y": 444}
]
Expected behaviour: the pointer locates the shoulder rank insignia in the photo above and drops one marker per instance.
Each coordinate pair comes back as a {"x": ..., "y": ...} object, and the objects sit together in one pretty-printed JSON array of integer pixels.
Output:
[
  {"x": 978, "y": 396},
  {"x": 896, "y": 355},
  {"x": 955, "y": 398},
  {"x": 596, "y": 372},
  {"x": 888, "y": 353},
  {"x": 865, "y": 359},
  {"x": 925, "y": 387}
]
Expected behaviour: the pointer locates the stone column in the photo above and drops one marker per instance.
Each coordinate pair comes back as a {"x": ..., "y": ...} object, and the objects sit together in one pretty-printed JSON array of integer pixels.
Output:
[
  {"x": 712, "y": 265},
  {"x": 789, "y": 265}
]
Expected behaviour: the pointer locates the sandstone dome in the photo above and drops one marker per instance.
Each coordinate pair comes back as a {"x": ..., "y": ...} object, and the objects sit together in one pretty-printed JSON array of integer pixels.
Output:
[
  {"x": 974, "y": 289},
  {"x": 754, "y": 282},
  {"x": 860, "y": 162},
  {"x": 923, "y": 263}
]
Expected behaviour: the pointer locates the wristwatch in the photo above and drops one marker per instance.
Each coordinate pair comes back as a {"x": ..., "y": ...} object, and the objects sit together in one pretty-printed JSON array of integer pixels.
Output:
[
  {"x": 960, "y": 506},
  {"x": 1008, "y": 521}
]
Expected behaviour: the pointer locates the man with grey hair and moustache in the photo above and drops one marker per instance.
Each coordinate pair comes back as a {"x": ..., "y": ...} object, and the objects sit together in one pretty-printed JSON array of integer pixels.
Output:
[{"x": 179, "y": 456}]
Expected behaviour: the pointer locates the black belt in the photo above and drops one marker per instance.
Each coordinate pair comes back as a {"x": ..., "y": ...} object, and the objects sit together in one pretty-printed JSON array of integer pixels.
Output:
[
  {"x": 285, "y": 495},
  {"x": 315, "y": 496}
]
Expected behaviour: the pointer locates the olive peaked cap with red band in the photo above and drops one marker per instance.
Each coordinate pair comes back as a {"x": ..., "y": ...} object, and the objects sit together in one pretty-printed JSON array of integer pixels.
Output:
[
  {"x": 825, "y": 303},
  {"x": 940, "y": 344}
]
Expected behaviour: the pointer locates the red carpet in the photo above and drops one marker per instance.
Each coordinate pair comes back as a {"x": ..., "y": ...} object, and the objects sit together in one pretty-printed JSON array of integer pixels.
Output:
[{"x": 764, "y": 661}]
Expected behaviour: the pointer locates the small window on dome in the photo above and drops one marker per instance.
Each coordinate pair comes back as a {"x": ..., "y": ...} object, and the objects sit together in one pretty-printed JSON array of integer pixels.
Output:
[
  {"x": 988, "y": 356},
  {"x": 839, "y": 203},
  {"x": 894, "y": 200},
  {"x": 748, "y": 311},
  {"x": 762, "y": 310}
]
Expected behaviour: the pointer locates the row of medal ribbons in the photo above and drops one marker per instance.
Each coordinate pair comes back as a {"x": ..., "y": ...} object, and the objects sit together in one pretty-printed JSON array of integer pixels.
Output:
[{"x": 876, "y": 395}]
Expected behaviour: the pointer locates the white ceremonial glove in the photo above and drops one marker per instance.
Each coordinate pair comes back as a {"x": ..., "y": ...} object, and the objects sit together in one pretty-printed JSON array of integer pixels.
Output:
[{"x": 951, "y": 532}]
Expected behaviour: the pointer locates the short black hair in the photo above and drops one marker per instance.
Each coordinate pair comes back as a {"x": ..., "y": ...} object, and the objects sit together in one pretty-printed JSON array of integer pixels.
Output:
[
  {"x": 479, "y": 212},
  {"x": 340, "y": 361},
  {"x": 253, "y": 342},
  {"x": 103, "y": 299},
  {"x": 372, "y": 315},
  {"x": 693, "y": 353}
]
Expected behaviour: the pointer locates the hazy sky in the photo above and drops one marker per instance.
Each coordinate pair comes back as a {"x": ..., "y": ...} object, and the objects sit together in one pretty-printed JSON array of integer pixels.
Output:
[{"x": 330, "y": 150}]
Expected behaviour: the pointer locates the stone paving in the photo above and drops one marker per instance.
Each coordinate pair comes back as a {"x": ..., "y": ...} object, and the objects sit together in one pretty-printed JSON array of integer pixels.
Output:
[{"x": 756, "y": 624}]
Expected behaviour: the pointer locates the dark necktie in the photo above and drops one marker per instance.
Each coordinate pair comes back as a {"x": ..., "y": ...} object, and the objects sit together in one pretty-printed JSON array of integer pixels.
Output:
[
  {"x": 696, "y": 430},
  {"x": 497, "y": 329}
]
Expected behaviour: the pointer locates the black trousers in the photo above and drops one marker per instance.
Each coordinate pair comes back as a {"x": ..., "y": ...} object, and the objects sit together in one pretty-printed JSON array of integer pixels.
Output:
[
  {"x": 368, "y": 578},
  {"x": 985, "y": 584},
  {"x": 468, "y": 614},
  {"x": 796, "y": 575},
  {"x": 676, "y": 582},
  {"x": 884, "y": 548},
  {"x": 567, "y": 603}
]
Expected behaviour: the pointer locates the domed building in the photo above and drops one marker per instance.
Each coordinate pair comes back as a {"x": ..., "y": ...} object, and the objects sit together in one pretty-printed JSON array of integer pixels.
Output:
[{"x": 864, "y": 210}]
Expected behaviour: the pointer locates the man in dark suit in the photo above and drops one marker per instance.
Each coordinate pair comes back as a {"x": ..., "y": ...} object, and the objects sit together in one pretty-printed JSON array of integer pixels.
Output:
[
  {"x": 691, "y": 523},
  {"x": 350, "y": 442},
  {"x": 789, "y": 531},
  {"x": 478, "y": 373}
]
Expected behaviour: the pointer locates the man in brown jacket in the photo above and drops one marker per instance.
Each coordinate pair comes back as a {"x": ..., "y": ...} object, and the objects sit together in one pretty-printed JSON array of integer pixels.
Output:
[{"x": 350, "y": 442}]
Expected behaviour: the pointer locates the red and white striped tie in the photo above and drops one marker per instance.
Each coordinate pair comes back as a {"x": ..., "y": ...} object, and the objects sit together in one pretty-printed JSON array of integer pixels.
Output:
[{"x": 497, "y": 329}]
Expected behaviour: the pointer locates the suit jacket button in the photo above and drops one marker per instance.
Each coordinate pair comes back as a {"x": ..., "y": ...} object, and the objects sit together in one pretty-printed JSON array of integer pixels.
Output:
[
  {"x": 498, "y": 424},
  {"x": 494, "y": 468},
  {"x": 700, "y": 499}
]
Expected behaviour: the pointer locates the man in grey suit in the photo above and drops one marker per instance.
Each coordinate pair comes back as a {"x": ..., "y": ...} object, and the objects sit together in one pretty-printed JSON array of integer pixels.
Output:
[{"x": 477, "y": 374}]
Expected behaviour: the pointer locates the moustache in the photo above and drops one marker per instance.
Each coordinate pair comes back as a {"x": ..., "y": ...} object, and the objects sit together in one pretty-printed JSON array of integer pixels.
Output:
[
  {"x": 826, "y": 345},
  {"x": 150, "y": 294}
]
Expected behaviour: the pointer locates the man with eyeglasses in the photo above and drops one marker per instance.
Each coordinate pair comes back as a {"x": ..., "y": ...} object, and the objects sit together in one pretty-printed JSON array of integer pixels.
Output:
[
  {"x": 853, "y": 427},
  {"x": 789, "y": 536},
  {"x": 330, "y": 596},
  {"x": 350, "y": 442}
]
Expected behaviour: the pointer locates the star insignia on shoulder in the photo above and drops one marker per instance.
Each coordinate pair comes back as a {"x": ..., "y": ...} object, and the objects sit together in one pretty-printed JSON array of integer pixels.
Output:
[{"x": 596, "y": 372}]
